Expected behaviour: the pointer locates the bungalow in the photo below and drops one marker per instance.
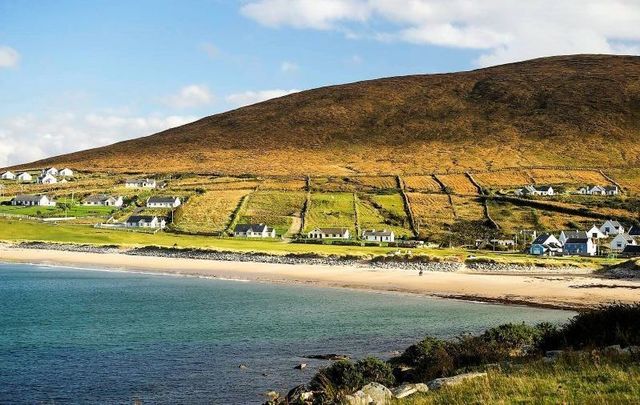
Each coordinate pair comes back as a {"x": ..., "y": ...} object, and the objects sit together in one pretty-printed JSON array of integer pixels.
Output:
[
  {"x": 329, "y": 233},
  {"x": 140, "y": 183},
  {"x": 565, "y": 235},
  {"x": 51, "y": 170},
  {"x": 8, "y": 176},
  {"x": 593, "y": 190},
  {"x": 610, "y": 228},
  {"x": 545, "y": 244},
  {"x": 621, "y": 241},
  {"x": 535, "y": 190},
  {"x": 47, "y": 179},
  {"x": 145, "y": 221},
  {"x": 25, "y": 177},
  {"x": 595, "y": 233},
  {"x": 378, "y": 236},
  {"x": 582, "y": 246},
  {"x": 103, "y": 200},
  {"x": 163, "y": 202},
  {"x": 66, "y": 172},
  {"x": 32, "y": 200},
  {"x": 631, "y": 250},
  {"x": 254, "y": 231}
]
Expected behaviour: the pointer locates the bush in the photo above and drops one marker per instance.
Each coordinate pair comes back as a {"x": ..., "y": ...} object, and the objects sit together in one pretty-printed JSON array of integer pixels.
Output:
[
  {"x": 375, "y": 370},
  {"x": 428, "y": 359},
  {"x": 515, "y": 336}
]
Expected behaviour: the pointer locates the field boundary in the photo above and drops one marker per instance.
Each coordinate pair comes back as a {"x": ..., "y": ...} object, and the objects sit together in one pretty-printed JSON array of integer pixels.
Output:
[
  {"x": 356, "y": 217},
  {"x": 407, "y": 207}
]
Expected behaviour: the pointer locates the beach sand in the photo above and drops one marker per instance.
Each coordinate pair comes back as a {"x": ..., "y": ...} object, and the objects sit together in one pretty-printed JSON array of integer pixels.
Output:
[{"x": 550, "y": 288}]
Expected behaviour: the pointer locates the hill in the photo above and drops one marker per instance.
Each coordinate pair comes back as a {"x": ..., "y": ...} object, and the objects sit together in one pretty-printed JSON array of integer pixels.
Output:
[{"x": 581, "y": 110}]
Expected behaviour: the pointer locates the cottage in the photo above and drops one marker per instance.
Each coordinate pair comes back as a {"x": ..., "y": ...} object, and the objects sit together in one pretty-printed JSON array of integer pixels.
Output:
[
  {"x": 103, "y": 200},
  {"x": 631, "y": 250},
  {"x": 329, "y": 233},
  {"x": 163, "y": 202},
  {"x": 611, "y": 228},
  {"x": 545, "y": 244},
  {"x": 145, "y": 221},
  {"x": 25, "y": 177},
  {"x": 8, "y": 176},
  {"x": 592, "y": 190},
  {"x": 582, "y": 246},
  {"x": 32, "y": 200},
  {"x": 140, "y": 183},
  {"x": 254, "y": 231},
  {"x": 378, "y": 236},
  {"x": 535, "y": 190},
  {"x": 66, "y": 172},
  {"x": 51, "y": 170},
  {"x": 595, "y": 233},
  {"x": 564, "y": 235},
  {"x": 620, "y": 242},
  {"x": 47, "y": 179}
]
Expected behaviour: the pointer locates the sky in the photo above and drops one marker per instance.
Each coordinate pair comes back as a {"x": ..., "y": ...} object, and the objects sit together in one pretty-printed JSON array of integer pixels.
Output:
[{"x": 80, "y": 74}]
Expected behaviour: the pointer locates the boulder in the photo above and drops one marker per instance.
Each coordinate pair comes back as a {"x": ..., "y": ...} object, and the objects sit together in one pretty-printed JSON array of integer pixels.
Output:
[
  {"x": 357, "y": 398},
  {"x": 272, "y": 397},
  {"x": 242, "y": 367},
  {"x": 301, "y": 366},
  {"x": 407, "y": 389},
  {"x": 331, "y": 356},
  {"x": 299, "y": 395},
  {"x": 378, "y": 393},
  {"x": 455, "y": 380},
  {"x": 422, "y": 388}
]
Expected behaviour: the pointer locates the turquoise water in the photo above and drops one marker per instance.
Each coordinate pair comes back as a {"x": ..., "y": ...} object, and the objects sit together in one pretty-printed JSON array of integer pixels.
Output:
[{"x": 71, "y": 335}]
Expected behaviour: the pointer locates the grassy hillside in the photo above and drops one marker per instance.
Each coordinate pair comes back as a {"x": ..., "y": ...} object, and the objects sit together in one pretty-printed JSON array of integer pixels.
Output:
[{"x": 581, "y": 110}]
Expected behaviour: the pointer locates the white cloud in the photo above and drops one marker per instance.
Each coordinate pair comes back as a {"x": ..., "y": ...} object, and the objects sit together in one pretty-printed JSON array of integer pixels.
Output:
[
  {"x": 252, "y": 97},
  {"x": 190, "y": 96},
  {"x": 289, "y": 67},
  {"x": 30, "y": 137},
  {"x": 502, "y": 30},
  {"x": 9, "y": 57}
]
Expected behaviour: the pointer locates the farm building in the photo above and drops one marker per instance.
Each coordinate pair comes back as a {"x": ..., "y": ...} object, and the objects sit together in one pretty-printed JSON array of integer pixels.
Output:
[
  {"x": 31, "y": 200},
  {"x": 145, "y": 221},
  {"x": 254, "y": 231},
  {"x": 25, "y": 177},
  {"x": 163, "y": 202},
  {"x": 103, "y": 200},
  {"x": 329, "y": 233},
  {"x": 378, "y": 236},
  {"x": 140, "y": 183},
  {"x": 8, "y": 176}
]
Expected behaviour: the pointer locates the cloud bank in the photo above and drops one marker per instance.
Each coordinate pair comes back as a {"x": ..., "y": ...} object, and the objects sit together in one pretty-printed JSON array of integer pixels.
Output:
[{"x": 501, "y": 30}]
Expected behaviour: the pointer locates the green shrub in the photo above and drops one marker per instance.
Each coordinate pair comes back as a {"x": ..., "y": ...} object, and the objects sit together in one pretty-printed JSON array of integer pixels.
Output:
[{"x": 375, "y": 370}]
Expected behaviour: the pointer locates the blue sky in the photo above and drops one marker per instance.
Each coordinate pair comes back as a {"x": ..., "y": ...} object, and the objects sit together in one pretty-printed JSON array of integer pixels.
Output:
[{"x": 79, "y": 74}]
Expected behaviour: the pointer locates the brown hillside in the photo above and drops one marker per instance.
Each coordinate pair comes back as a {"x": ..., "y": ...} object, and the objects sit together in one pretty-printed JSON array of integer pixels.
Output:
[{"x": 579, "y": 110}]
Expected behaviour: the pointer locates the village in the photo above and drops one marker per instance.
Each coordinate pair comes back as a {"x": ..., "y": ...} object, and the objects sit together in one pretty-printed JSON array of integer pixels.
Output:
[{"x": 154, "y": 208}]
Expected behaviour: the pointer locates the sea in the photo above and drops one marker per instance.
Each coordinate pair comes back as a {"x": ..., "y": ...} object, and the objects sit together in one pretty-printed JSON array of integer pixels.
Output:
[{"x": 70, "y": 335}]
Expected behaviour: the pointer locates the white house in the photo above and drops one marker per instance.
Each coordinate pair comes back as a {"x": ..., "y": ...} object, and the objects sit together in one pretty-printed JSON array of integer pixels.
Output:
[
  {"x": 30, "y": 200},
  {"x": 611, "y": 228},
  {"x": 8, "y": 176},
  {"x": 535, "y": 190},
  {"x": 163, "y": 202},
  {"x": 47, "y": 179},
  {"x": 580, "y": 245},
  {"x": 378, "y": 236},
  {"x": 25, "y": 177},
  {"x": 564, "y": 235},
  {"x": 595, "y": 233},
  {"x": 254, "y": 231},
  {"x": 329, "y": 233},
  {"x": 66, "y": 172},
  {"x": 140, "y": 183},
  {"x": 621, "y": 241},
  {"x": 51, "y": 170},
  {"x": 145, "y": 221},
  {"x": 103, "y": 200},
  {"x": 545, "y": 244},
  {"x": 599, "y": 190}
]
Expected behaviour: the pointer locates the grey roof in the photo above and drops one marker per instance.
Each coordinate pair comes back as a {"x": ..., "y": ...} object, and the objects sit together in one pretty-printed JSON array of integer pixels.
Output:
[
  {"x": 611, "y": 188},
  {"x": 28, "y": 197},
  {"x": 634, "y": 231},
  {"x": 138, "y": 218},
  {"x": 575, "y": 234},
  {"x": 159, "y": 200},
  {"x": 540, "y": 240},
  {"x": 332, "y": 231},
  {"x": 615, "y": 223},
  {"x": 148, "y": 180},
  {"x": 373, "y": 232},
  {"x": 99, "y": 198},
  {"x": 244, "y": 228},
  {"x": 632, "y": 249}
]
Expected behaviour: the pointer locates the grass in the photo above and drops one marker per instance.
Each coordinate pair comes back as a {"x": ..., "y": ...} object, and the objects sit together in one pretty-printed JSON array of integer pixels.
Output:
[
  {"x": 208, "y": 212},
  {"x": 274, "y": 208},
  {"x": 383, "y": 211},
  {"x": 458, "y": 183},
  {"x": 48, "y": 212},
  {"x": 331, "y": 210},
  {"x": 421, "y": 183},
  {"x": 432, "y": 213},
  {"x": 573, "y": 379}
]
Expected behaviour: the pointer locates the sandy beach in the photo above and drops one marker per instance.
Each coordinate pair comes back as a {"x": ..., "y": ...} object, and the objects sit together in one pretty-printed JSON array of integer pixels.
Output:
[{"x": 550, "y": 288}]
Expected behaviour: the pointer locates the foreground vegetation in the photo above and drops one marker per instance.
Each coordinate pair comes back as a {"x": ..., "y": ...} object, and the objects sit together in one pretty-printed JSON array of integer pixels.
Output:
[{"x": 594, "y": 358}]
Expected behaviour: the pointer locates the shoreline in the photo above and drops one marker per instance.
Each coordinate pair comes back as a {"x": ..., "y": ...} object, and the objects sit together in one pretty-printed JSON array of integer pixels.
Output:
[{"x": 557, "y": 289}]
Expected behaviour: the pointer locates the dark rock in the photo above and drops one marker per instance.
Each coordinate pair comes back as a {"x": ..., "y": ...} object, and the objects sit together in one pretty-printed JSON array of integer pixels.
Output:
[{"x": 333, "y": 357}]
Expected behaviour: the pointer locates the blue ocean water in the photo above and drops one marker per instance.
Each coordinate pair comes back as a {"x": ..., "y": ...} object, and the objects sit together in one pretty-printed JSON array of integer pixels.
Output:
[{"x": 81, "y": 336}]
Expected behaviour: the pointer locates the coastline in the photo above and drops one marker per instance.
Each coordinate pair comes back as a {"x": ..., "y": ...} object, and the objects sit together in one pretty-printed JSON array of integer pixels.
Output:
[{"x": 557, "y": 288}]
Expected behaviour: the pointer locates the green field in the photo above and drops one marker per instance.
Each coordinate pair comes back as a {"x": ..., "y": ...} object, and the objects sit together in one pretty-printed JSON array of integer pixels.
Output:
[
  {"x": 274, "y": 208},
  {"x": 383, "y": 211},
  {"x": 331, "y": 210},
  {"x": 50, "y": 212}
]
